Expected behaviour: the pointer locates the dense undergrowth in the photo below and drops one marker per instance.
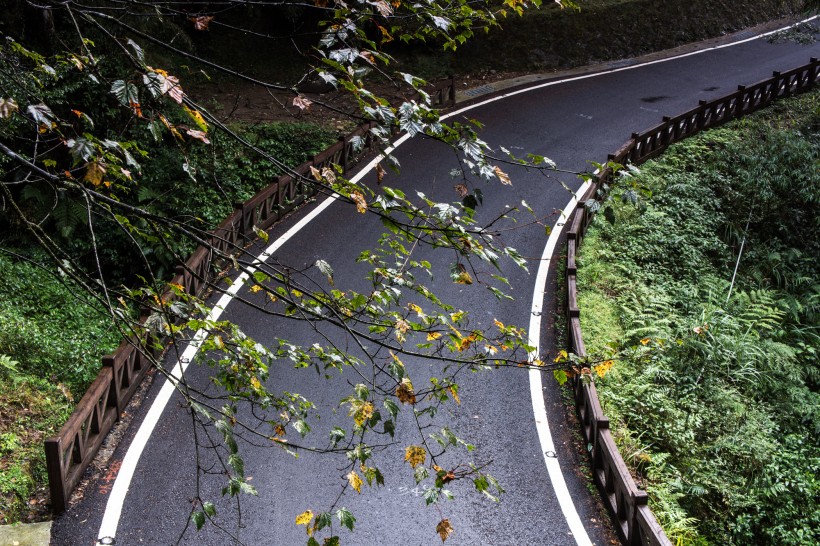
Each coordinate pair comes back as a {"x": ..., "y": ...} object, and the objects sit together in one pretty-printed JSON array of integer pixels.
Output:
[{"x": 714, "y": 392}]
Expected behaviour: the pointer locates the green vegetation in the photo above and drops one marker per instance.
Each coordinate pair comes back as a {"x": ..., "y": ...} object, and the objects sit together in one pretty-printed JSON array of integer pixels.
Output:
[
  {"x": 51, "y": 342},
  {"x": 50, "y": 346},
  {"x": 714, "y": 393},
  {"x": 551, "y": 37}
]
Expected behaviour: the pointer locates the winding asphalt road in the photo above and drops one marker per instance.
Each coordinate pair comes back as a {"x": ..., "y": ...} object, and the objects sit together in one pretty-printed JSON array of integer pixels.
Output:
[{"x": 569, "y": 121}]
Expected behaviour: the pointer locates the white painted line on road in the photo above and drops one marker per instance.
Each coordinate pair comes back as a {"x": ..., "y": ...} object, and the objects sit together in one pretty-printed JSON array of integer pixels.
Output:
[
  {"x": 614, "y": 70},
  {"x": 116, "y": 500},
  {"x": 536, "y": 389}
]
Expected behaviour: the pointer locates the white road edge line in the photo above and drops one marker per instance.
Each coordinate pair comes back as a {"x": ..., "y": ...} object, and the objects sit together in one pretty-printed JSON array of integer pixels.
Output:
[
  {"x": 536, "y": 389},
  {"x": 116, "y": 500}
]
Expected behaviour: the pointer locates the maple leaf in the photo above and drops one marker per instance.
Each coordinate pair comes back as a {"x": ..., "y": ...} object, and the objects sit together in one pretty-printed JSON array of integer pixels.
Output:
[
  {"x": 199, "y": 135},
  {"x": 304, "y": 518},
  {"x": 170, "y": 85},
  {"x": 415, "y": 455},
  {"x": 7, "y": 107},
  {"x": 444, "y": 529},
  {"x": 363, "y": 413},
  {"x": 355, "y": 481},
  {"x": 302, "y": 103},
  {"x": 385, "y": 9},
  {"x": 504, "y": 177},
  {"x": 454, "y": 392},
  {"x": 201, "y": 22},
  {"x": 603, "y": 367},
  {"x": 415, "y": 308},
  {"x": 94, "y": 173},
  {"x": 461, "y": 190},
  {"x": 329, "y": 175},
  {"x": 405, "y": 393},
  {"x": 361, "y": 204}
]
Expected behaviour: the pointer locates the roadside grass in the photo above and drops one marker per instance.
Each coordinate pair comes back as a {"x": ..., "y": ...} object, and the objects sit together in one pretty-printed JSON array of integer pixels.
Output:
[
  {"x": 714, "y": 399},
  {"x": 50, "y": 345}
]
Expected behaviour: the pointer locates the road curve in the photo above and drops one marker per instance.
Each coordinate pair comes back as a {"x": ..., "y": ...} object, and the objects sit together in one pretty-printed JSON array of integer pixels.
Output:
[{"x": 569, "y": 121}]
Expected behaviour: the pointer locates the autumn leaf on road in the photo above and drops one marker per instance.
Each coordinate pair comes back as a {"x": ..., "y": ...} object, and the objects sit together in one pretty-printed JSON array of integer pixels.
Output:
[
  {"x": 405, "y": 393},
  {"x": 304, "y": 518},
  {"x": 444, "y": 529},
  {"x": 355, "y": 481},
  {"x": 415, "y": 455},
  {"x": 504, "y": 177}
]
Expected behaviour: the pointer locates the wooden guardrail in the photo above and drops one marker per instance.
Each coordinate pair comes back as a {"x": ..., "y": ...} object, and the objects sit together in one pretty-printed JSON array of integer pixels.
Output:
[
  {"x": 70, "y": 452},
  {"x": 637, "y": 525}
]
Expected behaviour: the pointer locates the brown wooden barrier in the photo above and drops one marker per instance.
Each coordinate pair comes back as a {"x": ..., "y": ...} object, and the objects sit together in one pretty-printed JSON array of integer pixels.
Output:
[
  {"x": 69, "y": 453},
  {"x": 637, "y": 525}
]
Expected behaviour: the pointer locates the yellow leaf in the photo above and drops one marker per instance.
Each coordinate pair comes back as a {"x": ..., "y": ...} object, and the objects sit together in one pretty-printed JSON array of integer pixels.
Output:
[
  {"x": 316, "y": 174},
  {"x": 504, "y": 177},
  {"x": 603, "y": 367},
  {"x": 645, "y": 341},
  {"x": 363, "y": 413},
  {"x": 455, "y": 317},
  {"x": 432, "y": 336},
  {"x": 355, "y": 481},
  {"x": 464, "y": 278},
  {"x": 444, "y": 529},
  {"x": 197, "y": 117},
  {"x": 415, "y": 455},
  {"x": 454, "y": 392},
  {"x": 255, "y": 288},
  {"x": 94, "y": 173},
  {"x": 255, "y": 383},
  {"x": 405, "y": 392},
  {"x": 361, "y": 203},
  {"x": 416, "y": 309},
  {"x": 498, "y": 324},
  {"x": 562, "y": 356},
  {"x": 304, "y": 518}
]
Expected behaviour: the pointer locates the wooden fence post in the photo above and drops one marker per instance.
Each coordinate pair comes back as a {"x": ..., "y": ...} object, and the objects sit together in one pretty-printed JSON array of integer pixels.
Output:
[{"x": 54, "y": 463}]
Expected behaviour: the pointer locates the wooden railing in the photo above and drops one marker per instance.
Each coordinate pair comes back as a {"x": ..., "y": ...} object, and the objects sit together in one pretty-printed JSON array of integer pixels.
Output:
[
  {"x": 627, "y": 503},
  {"x": 70, "y": 452}
]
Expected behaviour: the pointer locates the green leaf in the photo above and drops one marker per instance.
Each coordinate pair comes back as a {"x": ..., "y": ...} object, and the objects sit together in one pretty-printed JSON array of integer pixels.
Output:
[
  {"x": 560, "y": 376},
  {"x": 198, "y": 519},
  {"x": 323, "y": 520},
  {"x": 325, "y": 269},
  {"x": 137, "y": 50},
  {"x": 209, "y": 509},
  {"x": 125, "y": 92},
  {"x": 236, "y": 462},
  {"x": 301, "y": 427},
  {"x": 346, "y": 518},
  {"x": 337, "y": 435}
]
